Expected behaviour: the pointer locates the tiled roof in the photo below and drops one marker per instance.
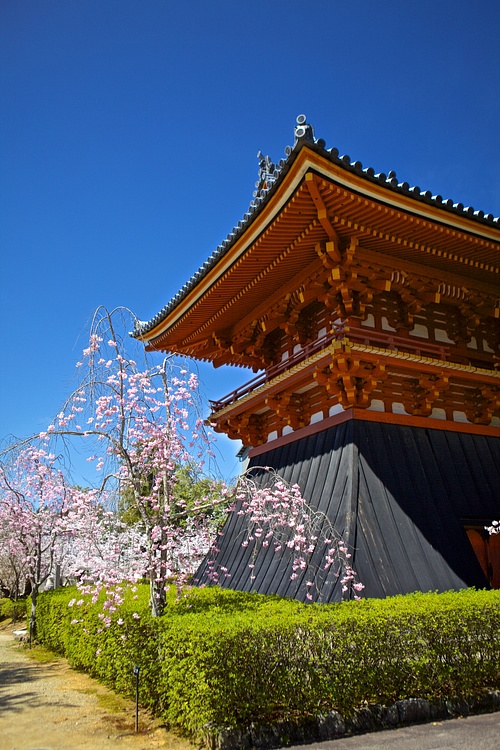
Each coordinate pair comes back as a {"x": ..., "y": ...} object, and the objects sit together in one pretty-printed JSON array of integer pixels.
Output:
[{"x": 270, "y": 175}]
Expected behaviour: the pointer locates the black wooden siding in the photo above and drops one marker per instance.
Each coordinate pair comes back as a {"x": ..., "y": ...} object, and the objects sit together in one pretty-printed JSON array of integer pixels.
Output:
[{"x": 398, "y": 496}]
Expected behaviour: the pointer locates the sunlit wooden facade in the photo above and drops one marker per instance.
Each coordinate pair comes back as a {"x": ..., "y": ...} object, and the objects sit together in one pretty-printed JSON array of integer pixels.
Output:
[{"x": 353, "y": 297}]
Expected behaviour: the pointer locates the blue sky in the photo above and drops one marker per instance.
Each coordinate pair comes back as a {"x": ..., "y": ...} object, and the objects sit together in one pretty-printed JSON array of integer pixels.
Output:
[{"x": 129, "y": 131}]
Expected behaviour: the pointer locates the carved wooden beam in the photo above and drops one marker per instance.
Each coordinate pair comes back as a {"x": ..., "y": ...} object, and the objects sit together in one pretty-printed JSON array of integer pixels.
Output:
[
  {"x": 425, "y": 391},
  {"x": 350, "y": 379},
  {"x": 485, "y": 403},
  {"x": 247, "y": 427},
  {"x": 288, "y": 407},
  {"x": 332, "y": 250},
  {"x": 279, "y": 403}
]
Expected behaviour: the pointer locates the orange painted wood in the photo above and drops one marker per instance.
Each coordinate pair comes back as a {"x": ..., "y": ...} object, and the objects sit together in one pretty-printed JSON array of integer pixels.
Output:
[
  {"x": 480, "y": 548},
  {"x": 375, "y": 416},
  {"x": 494, "y": 559}
]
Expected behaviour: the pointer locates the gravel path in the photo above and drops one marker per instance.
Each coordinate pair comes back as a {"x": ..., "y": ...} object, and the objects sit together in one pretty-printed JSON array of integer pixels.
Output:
[{"x": 52, "y": 707}]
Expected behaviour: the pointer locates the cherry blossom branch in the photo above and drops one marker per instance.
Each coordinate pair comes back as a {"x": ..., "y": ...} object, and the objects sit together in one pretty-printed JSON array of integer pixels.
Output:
[{"x": 277, "y": 517}]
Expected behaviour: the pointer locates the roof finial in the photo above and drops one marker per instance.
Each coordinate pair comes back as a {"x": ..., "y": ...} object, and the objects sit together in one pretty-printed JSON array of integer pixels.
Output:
[
  {"x": 266, "y": 173},
  {"x": 303, "y": 130}
]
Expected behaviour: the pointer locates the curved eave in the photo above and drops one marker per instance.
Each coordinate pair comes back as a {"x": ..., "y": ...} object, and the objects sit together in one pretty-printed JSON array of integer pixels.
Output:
[{"x": 308, "y": 157}]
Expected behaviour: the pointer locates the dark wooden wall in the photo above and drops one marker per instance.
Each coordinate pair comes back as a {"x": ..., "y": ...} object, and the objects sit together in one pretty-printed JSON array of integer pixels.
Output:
[{"x": 400, "y": 496}]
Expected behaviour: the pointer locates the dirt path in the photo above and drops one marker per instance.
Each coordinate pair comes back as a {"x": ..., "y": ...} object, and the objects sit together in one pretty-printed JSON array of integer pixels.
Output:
[{"x": 49, "y": 706}]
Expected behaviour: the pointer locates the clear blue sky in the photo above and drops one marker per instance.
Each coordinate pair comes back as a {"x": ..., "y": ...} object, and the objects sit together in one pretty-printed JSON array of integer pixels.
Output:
[{"x": 129, "y": 131}]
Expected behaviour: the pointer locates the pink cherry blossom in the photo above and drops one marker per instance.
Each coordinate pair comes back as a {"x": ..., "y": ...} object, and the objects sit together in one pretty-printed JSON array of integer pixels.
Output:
[{"x": 143, "y": 423}]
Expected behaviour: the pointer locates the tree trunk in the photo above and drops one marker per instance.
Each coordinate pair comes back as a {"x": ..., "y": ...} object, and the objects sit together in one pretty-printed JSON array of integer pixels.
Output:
[
  {"x": 34, "y": 597},
  {"x": 157, "y": 595}
]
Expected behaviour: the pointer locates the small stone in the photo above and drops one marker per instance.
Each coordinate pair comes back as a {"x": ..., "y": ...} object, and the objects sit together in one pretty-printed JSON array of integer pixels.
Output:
[
  {"x": 331, "y": 725},
  {"x": 361, "y": 721},
  {"x": 413, "y": 710}
]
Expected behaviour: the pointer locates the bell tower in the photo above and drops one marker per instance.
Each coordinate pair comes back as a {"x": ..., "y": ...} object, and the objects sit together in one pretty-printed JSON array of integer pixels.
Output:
[{"x": 369, "y": 312}]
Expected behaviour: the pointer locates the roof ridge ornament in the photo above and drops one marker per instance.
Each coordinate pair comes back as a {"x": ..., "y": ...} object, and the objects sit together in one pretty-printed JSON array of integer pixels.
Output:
[
  {"x": 270, "y": 172},
  {"x": 267, "y": 174},
  {"x": 303, "y": 131}
]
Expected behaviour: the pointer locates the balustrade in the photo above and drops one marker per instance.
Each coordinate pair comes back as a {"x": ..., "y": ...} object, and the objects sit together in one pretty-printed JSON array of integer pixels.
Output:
[{"x": 340, "y": 332}]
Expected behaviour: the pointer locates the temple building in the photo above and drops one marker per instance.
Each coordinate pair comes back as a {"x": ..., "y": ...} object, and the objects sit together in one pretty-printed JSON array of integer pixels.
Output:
[{"x": 369, "y": 312}]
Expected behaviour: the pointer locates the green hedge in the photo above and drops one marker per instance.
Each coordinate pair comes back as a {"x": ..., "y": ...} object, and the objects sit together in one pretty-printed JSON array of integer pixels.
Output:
[
  {"x": 224, "y": 658},
  {"x": 12, "y": 610}
]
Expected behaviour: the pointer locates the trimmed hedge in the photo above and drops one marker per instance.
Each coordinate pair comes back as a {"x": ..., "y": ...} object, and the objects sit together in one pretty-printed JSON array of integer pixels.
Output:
[
  {"x": 12, "y": 610},
  {"x": 225, "y": 658}
]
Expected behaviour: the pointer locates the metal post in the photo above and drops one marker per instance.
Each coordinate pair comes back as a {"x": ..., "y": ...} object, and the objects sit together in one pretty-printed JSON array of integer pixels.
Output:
[{"x": 136, "y": 673}]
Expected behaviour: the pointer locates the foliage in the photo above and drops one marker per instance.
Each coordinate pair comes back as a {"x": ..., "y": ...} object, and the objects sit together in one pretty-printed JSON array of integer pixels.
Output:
[
  {"x": 145, "y": 436},
  {"x": 12, "y": 610},
  {"x": 149, "y": 444},
  {"x": 278, "y": 519},
  {"x": 37, "y": 518},
  {"x": 191, "y": 490},
  {"x": 146, "y": 423},
  {"x": 32, "y": 508},
  {"x": 50, "y": 529},
  {"x": 305, "y": 659}
]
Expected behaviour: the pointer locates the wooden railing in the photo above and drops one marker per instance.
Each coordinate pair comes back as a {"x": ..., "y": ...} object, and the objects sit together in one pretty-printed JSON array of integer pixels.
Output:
[
  {"x": 307, "y": 351},
  {"x": 355, "y": 334},
  {"x": 420, "y": 347}
]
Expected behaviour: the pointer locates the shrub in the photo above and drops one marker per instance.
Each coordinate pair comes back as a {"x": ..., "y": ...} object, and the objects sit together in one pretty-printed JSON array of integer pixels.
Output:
[
  {"x": 304, "y": 660},
  {"x": 10, "y": 610}
]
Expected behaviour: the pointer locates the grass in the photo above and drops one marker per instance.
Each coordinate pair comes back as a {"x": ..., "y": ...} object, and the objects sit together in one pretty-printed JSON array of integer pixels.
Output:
[
  {"x": 8, "y": 624},
  {"x": 107, "y": 700},
  {"x": 39, "y": 653}
]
